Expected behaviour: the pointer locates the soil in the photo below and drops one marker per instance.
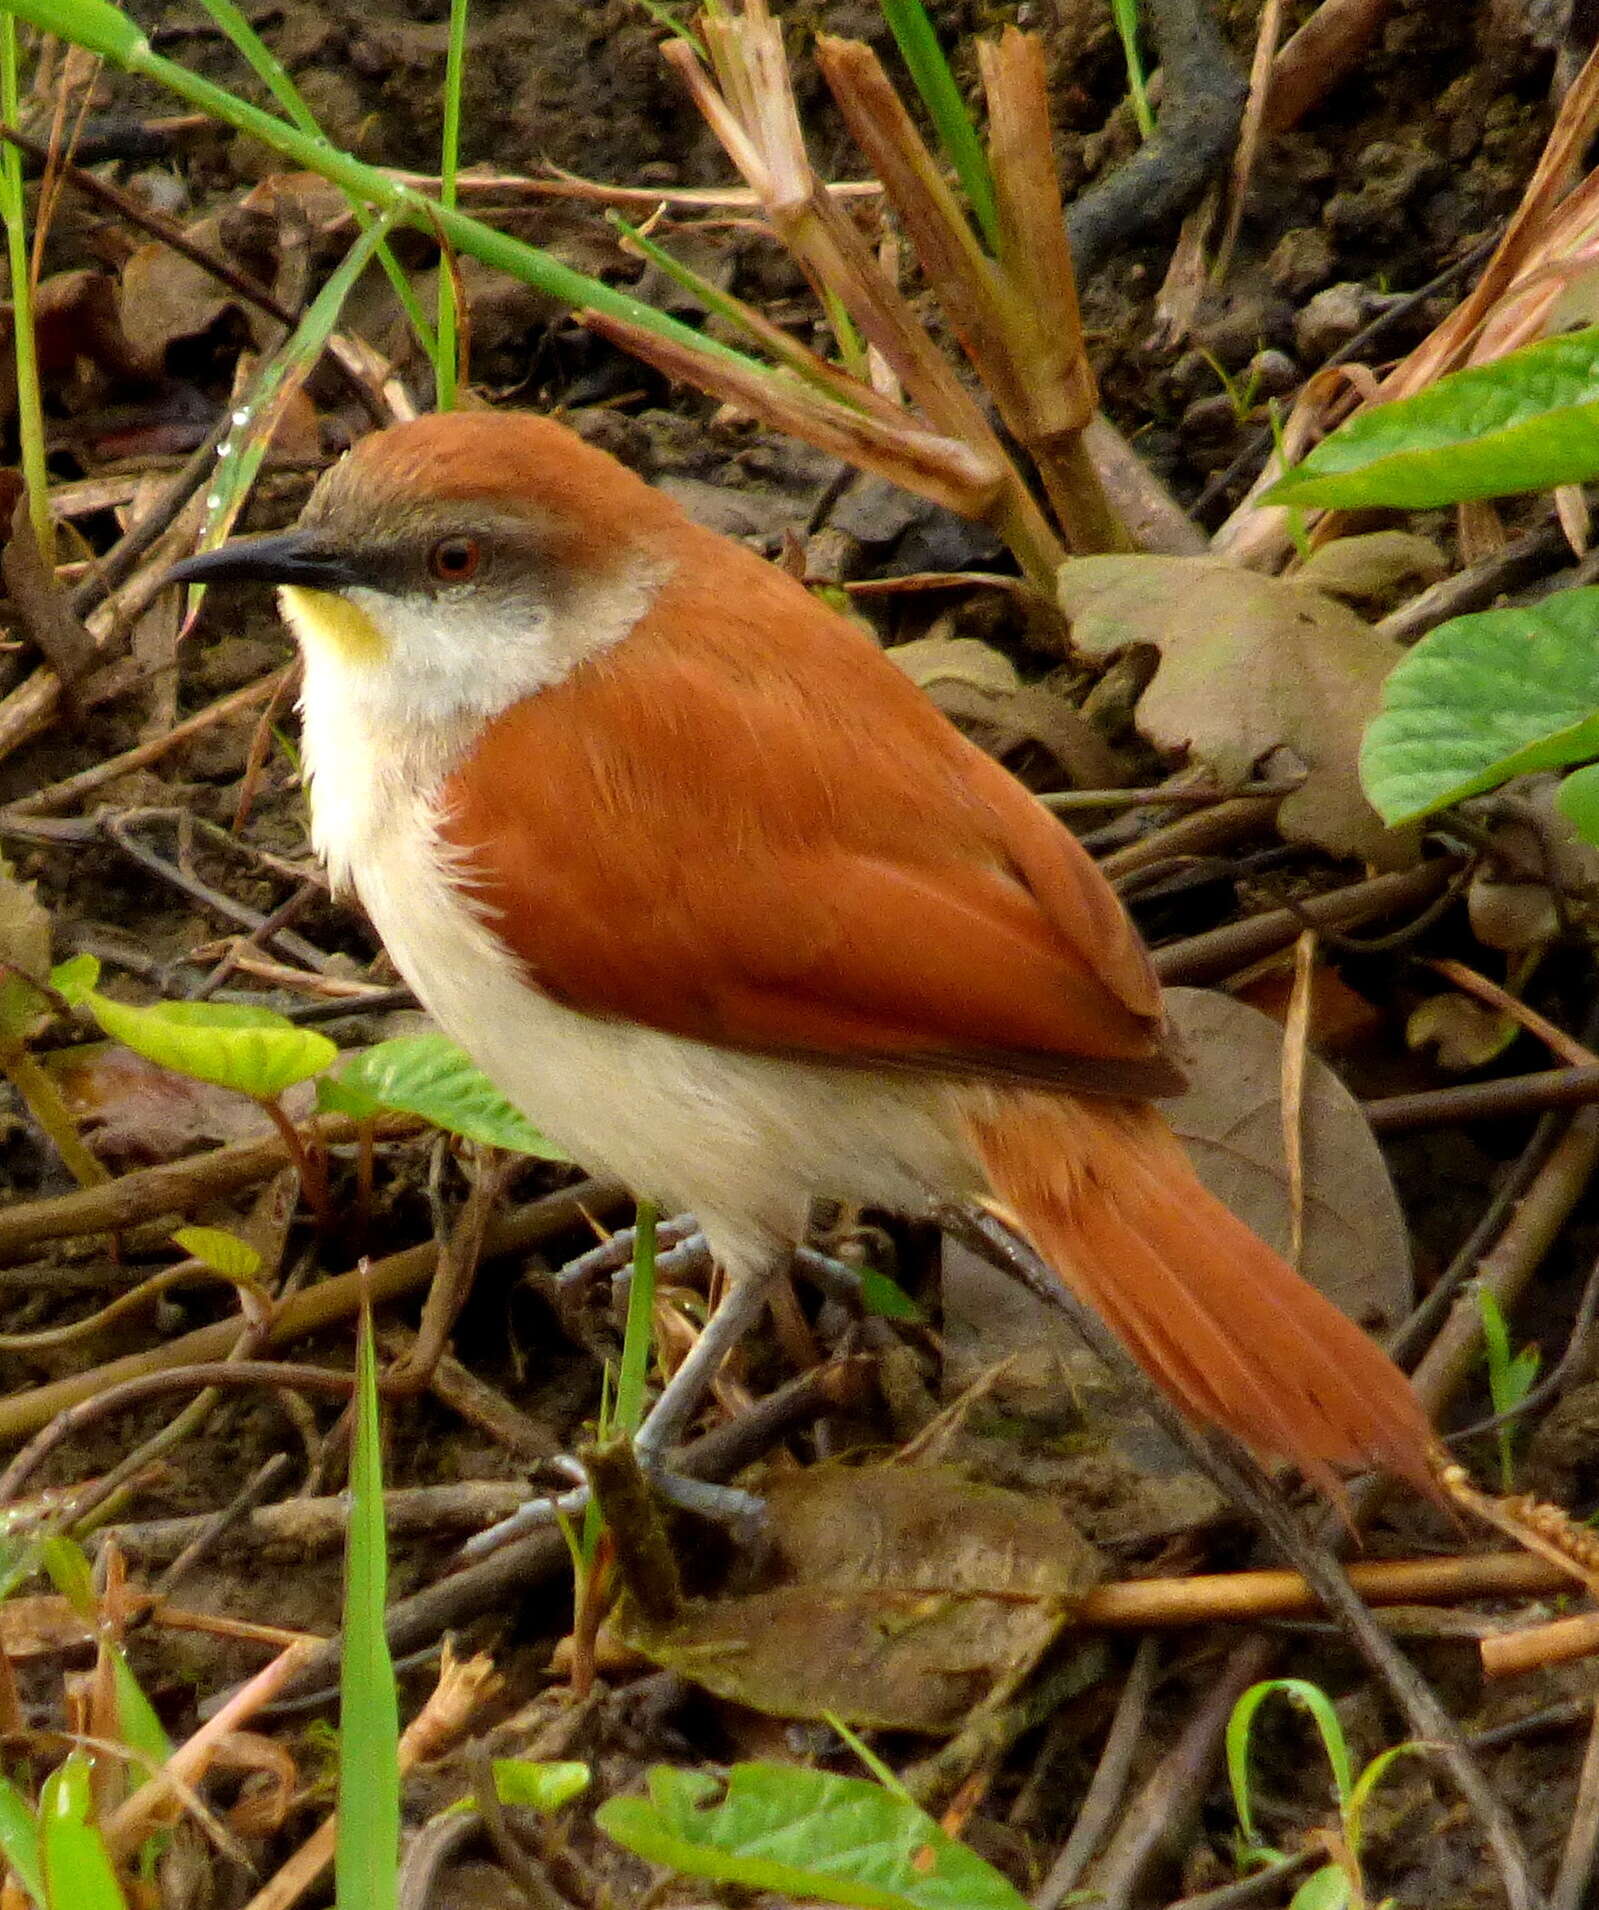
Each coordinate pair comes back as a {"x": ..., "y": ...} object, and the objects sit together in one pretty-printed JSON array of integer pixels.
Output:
[{"x": 1409, "y": 164}]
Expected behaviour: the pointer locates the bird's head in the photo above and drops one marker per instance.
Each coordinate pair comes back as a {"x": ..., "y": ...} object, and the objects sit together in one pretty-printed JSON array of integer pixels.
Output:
[{"x": 451, "y": 566}]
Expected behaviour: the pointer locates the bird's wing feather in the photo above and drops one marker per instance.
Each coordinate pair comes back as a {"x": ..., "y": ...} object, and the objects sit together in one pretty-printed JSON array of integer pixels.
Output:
[{"x": 786, "y": 848}]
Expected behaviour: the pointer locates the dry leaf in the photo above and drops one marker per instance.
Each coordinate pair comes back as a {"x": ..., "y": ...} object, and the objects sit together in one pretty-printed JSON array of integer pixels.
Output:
[
  {"x": 911, "y": 1593},
  {"x": 1357, "y": 1247},
  {"x": 140, "y": 1113},
  {"x": 931, "y": 661},
  {"x": 24, "y": 926},
  {"x": 1249, "y": 664},
  {"x": 1464, "y": 1034},
  {"x": 41, "y": 605},
  {"x": 1373, "y": 564}
]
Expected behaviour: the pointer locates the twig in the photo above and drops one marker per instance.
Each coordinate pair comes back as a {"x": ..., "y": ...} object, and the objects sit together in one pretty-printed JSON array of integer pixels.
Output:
[
  {"x": 1109, "y": 1783},
  {"x": 1246, "y": 1485},
  {"x": 318, "y": 1307},
  {"x": 1452, "y": 1358},
  {"x": 1207, "y": 957},
  {"x": 308, "y": 1527},
  {"x": 1563, "y": 1046},
  {"x": 1582, "y": 1839},
  {"x": 1512, "y": 1095},
  {"x": 507, "y": 1576},
  {"x": 1171, "y": 1796},
  {"x": 72, "y": 789}
]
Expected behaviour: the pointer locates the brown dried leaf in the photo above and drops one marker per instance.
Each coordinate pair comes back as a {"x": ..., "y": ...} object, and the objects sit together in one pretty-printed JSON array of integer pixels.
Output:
[
  {"x": 931, "y": 661},
  {"x": 139, "y": 1112},
  {"x": 1357, "y": 1247},
  {"x": 24, "y": 926},
  {"x": 1371, "y": 565},
  {"x": 41, "y": 604},
  {"x": 910, "y": 1592},
  {"x": 1249, "y": 664}
]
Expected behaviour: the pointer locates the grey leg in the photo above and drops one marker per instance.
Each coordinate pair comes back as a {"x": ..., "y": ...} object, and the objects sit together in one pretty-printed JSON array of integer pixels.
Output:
[{"x": 666, "y": 1421}]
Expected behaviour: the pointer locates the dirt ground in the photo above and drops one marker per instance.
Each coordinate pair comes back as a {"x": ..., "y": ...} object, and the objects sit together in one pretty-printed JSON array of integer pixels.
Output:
[{"x": 1402, "y": 173}]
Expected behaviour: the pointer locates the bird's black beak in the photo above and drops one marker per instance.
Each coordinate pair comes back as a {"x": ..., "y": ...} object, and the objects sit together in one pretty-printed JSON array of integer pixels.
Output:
[{"x": 288, "y": 557}]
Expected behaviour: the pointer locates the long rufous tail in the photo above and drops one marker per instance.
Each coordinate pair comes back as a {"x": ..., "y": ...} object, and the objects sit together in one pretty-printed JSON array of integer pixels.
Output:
[{"x": 1106, "y": 1193}]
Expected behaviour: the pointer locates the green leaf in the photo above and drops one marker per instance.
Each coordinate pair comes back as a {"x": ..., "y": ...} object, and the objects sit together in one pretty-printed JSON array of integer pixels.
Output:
[
  {"x": 73, "y": 978},
  {"x": 69, "y": 1571},
  {"x": 538, "y": 1785},
  {"x": 366, "y": 1859},
  {"x": 142, "y": 1730},
  {"x": 1324, "y": 1889},
  {"x": 805, "y": 1834},
  {"x": 1578, "y": 801},
  {"x": 1524, "y": 423},
  {"x": 1484, "y": 698},
  {"x": 887, "y": 1298},
  {"x": 1308, "y": 1697},
  {"x": 19, "y": 1840},
  {"x": 221, "y": 1251},
  {"x": 430, "y": 1076},
  {"x": 78, "y": 1873},
  {"x": 250, "y": 1050}
]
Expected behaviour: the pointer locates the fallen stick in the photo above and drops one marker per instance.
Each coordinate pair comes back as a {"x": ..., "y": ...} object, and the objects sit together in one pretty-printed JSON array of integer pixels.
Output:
[{"x": 308, "y": 1311}]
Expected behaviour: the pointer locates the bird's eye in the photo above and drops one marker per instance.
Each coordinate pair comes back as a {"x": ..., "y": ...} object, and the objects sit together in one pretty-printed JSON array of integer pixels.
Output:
[{"x": 453, "y": 560}]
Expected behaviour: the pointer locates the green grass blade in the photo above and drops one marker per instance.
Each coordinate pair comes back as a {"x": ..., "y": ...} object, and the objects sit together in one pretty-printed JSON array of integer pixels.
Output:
[
  {"x": 366, "y": 1858},
  {"x": 1125, "y": 13},
  {"x": 240, "y": 456},
  {"x": 273, "y": 75},
  {"x": 78, "y": 1873},
  {"x": 639, "y": 1335},
  {"x": 929, "y": 70},
  {"x": 14, "y": 210},
  {"x": 104, "y": 29},
  {"x": 19, "y": 1840},
  {"x": 446, "y": 369}
]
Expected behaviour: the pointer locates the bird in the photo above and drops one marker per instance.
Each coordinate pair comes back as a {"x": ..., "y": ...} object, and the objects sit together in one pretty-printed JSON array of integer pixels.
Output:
[{"x": 720, "y": 900}]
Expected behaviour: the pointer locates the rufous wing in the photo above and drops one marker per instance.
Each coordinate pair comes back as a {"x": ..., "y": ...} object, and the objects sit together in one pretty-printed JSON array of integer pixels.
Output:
[{"x": 744, "y": 825}]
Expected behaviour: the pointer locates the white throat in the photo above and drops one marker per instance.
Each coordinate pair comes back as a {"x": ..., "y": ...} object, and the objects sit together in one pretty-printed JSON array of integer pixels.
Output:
[{"x": 395, "y": 689}]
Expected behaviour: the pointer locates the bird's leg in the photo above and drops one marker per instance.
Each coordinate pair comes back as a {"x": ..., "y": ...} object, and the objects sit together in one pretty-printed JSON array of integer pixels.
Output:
[{"x": 667, "y": 1420}]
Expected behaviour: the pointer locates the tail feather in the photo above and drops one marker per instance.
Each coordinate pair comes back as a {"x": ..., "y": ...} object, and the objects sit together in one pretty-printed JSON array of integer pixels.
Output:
[{"x": 1219, "y": 1321}]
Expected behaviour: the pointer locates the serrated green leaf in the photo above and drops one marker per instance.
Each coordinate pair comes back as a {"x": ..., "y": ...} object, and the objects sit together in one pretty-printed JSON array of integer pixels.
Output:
[
  {"x": 221, "y": 1251},
  {"x": 78, "y": 1873},
  {"x": 805, "y": 1834},
  {"x": 19, "y": 1840},
  {"x": 428, "y": 1075},
  {"x": 1484, "y": 698},
  {"x": 1527, "y": 422},
  {"x": 73, "y": 978},
  {"x": 230, "y": 1045}
]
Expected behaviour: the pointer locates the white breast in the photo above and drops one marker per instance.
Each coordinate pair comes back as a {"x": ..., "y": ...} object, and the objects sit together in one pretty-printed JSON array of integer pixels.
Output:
[{"x": 745, "y": 1141}]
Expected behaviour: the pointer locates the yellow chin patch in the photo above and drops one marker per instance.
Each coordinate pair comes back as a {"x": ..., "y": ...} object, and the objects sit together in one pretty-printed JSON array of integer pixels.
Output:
[{"x": 322, "y": 620}]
